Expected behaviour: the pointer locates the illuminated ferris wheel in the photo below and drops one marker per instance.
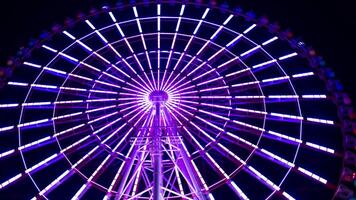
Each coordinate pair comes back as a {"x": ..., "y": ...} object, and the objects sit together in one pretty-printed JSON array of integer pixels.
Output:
[{"x": 169, "y": 101}]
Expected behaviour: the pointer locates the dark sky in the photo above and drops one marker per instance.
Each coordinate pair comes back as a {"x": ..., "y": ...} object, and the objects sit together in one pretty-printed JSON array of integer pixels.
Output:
[{"x": 328, "y": 25}]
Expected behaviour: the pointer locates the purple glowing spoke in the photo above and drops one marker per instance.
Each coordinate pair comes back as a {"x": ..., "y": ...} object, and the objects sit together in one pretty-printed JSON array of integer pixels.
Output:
[
  {"x": 218, "y": 52},
  {"x": 105, "y": 60},
  {"x": 173, "y": 45},
  {"x": 153, "y": 86},
  {"x": 186, "y": 47}
]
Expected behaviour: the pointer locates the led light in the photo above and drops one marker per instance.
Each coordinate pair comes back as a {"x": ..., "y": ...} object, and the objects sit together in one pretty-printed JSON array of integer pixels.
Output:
[
  {"x": 55, "y": 70},
  {"x": 285, "y": 137},
  {"x": 265, "y": 179},
  {"x": 90, "y": 24},
  {"x": 323, "y": 121},
  {"x": 68, "y": 56},
  {"x": 120, "y": 30},
  {"x": 6, "y": 128},
  {"x": 314, "y": 176},
  {"x": 270, "y": 41},
  {"x": 320, "y": 147},
  {"x": 45, "y": 161},
  {"x": 32, "y": 123},
  {"x": 139, "y": 28},
  {"x": 69, "y": 35},
  {"x": 303, "y": 74},
  {"x": 81, "y": 77},
  {"x": 216, "y": 33},
  {"x": 44, "y": 86},
  {"x": 135, "y": 11},
  {"x": 196, "y": 29},
  {"x": 249, "y": 28},
  {"x": 13, "y": 179},
  {"x": 6, "y": 153},
  {"x": 285, "y": 194},
  {"x": 10, "y": 105},
  {"x": 248, "y": 125},
  {"x": 249, "y": 97},
  {"x": 244, "y": 84},
  {"x": 101, "y": 36},
  {"x": 205, "y": 13},
  {"x": 264, "y": 64},
  {"x": 228, "y": 19},
  {"x": 112, "y": 17},
  {"x": 275, "y": 79},
  {"x": 49, "y": 48},
  {"x": 250, "y": 51},
  {"x": 234, "y": 40},
  {"x": 37, "y": 103},
  {"x": 84, "y": 45},
  {"x": 278, "y": 158},
  {"x": 288, "y": 56},
  {"x": 314, "y": 96},
  {"x": 158, "y": 9},
  {"x": 32, "y": 65},
  {"x": 182, "y": 10},
  {"x": 251, "y": 111},
  {"x": 34, "y": 143},
  {"x": 287, "y": 116},
  {"x": 239, "y": 191},
  {"x": 283, "y": 96}
]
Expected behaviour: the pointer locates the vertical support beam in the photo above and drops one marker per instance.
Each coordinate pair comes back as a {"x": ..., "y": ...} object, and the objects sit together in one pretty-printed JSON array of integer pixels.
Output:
[
  {"x": 185, "y": 163},
  {"x": 156, "y": 154}
]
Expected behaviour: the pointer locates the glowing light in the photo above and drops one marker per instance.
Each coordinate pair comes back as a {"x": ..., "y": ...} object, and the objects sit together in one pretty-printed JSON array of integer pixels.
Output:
[
  {"x": 249, "y": 28},
  {"x": 287, "y": 56}
]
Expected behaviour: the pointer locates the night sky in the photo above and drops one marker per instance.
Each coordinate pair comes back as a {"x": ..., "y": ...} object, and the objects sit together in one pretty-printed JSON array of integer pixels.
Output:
[{"x": 328, "y": 26}]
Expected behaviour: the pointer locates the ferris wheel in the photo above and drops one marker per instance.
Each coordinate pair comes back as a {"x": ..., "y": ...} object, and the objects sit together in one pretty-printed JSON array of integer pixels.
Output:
[{"x": 169, "y": 101}]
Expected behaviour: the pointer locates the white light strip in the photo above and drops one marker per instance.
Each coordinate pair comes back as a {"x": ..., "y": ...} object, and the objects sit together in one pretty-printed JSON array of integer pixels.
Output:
[
  {"x": 2, "y": 185},
  {"x": 285, "y": 194},
  {"x": 288, "y": 56},
  {"x": 265, "y": 179},
  {"x": 135, "y": 11},
  {"x": 250, "y": 51},
  {"x": 9, "y": 105},
  {"x": 49, "y": 48},
  {"x": 90, "y": 24},
  {"x": 270, "y": 41},
  {"x": 285, "y": 137},
  {"x": 32, "y": 65},
  {"x": 239, "y": 191},
  {"x": 303, "y": 74},
  {"x": 264, "y": 63},
  {"x": 228, "y": 19},
  {"x": 314, "y": 96},
  {"x": 205, "y": 13},
  {"x": 323, "y": 121},
  {"x": 69, "y": 35},
  {"x": 275, "y": 79},
  {"x": 249, "y": 28},
  {"x": 112, "y": 17},
  {"x": 55, "y": 70},
  {"x": 234, "y": 40},
  {"x": 314, "y": 176},
  {"x": 286, "y": 116},
  {"x": 278, "y": 158},
  {"x": 17, "y": 83},
  {"x": 68, "y": 56},
  {"x": 320, "y": 147}
]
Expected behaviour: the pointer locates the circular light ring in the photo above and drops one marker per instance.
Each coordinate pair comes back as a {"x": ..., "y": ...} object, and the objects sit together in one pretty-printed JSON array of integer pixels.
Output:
[{"x": 246, "y": 103}]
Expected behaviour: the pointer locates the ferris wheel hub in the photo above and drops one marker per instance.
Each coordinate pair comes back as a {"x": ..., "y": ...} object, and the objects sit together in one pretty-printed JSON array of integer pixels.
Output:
[{"x": 158, "y": 96}]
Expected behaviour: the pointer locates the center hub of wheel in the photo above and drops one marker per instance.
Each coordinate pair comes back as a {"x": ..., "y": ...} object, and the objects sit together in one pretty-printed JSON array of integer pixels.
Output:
[{"x": 158, "y": 96}]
